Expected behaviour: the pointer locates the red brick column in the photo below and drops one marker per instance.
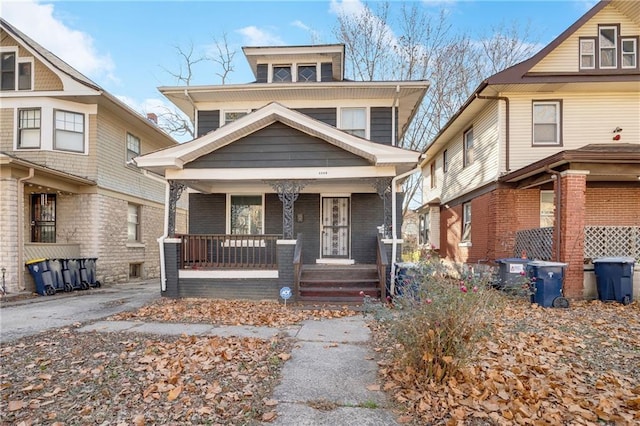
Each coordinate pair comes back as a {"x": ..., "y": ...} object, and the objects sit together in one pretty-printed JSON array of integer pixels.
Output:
[{"x": 573, "y": 185}]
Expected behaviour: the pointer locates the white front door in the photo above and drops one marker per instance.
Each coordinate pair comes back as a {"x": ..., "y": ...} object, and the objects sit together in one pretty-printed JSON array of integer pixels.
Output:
[{"x": 335, "y": 228}]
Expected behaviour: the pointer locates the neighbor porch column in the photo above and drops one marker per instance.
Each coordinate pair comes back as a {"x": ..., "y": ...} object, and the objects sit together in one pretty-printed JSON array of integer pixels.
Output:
[
  {"x": 383, "y": 188},
  {"x": 175, "y": 191},
  {"x": 572, "y": 185},
  {"x": 288, "y": 191}
]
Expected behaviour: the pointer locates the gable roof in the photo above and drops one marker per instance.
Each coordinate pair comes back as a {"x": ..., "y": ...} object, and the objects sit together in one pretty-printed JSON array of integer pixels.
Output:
[{"x": 176, "y": 157}]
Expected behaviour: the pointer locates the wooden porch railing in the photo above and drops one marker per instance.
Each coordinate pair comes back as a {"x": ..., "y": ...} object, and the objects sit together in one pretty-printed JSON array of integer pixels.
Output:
[
  {"x": 297, "y": 266},
  {"x": 381, "y": 263},
  {"x": 229, "y": 251}
]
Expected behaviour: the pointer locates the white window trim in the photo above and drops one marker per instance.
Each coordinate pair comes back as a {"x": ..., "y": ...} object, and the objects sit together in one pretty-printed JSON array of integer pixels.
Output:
[
  {"x": 465, "y": 161},
  {"x": 280, "y": 65},
  {"x": 294, "y": 70},
  {"x": 306, "y": 64},
  {"x": 468, "y": 241},
  {"x": 25, "y": 61},
  {"x": 545, "y": 192},
  {"x": 126, "y": 154},
  {"x": 223, "y": 114},
  {"x": 367, "y": 119},
  {"x": 13, "y": 50},
  {"x": 635, "y": 52},
  {"x": 558, "y": 141},
  {"x": 21, "y": 148},
  {"x": 615, "y": 47},
  {"x": 228, "y": 209},
  {"x": 138, "y": 241},
  {"x": 593, "y": 55},
  {"x": 85, "y": 132}
]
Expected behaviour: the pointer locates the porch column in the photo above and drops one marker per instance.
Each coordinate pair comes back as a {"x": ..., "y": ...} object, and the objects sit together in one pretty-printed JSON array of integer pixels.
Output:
[
  {"x": 175, "y": 191},
  {"x": 288, "y": 191},
  {"x": 383, "y": 188},
  {"x": 572, "y": 186}
]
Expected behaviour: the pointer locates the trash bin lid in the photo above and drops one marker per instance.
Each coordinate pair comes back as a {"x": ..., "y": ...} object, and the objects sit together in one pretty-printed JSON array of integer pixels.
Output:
[
  {"x": 545, "y": 263},
  {"x": 406, "y": 265},
  {"x": 32, "y": 261},
  {"x": 513, "y": 260},
  {"x": 615, "y": 259}
]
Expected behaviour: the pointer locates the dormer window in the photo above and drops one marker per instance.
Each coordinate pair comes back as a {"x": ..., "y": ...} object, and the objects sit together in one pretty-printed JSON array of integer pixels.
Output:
[
  {"x": 15, "y": 72},
  {"x": 281, "y": 73},
  {"x": 587, "y": 54},
  {"x": 629, "y": 52},
  {"x": 608, "y": 44},
  {"x": 307, "y": 73},
  {"x": 609, "y": 50}
]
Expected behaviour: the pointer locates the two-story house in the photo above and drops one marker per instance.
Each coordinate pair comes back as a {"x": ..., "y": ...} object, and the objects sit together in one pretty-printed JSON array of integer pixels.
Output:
[
  {"x": 292, "y": 179},
  {"x": 544, "y": 157},
  {"x": 68, "y": 186}
]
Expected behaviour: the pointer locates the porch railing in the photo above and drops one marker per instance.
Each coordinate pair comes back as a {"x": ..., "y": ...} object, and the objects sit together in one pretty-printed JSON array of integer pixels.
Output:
[
  {"x": 381, "y": 264},
  {"x": 599, "y": 241},
  {"x": 297, "y": 265},
  {"x": 229, "y": 251}
]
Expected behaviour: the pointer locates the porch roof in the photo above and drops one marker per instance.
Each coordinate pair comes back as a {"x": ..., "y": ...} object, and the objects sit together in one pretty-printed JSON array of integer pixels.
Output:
[{"x": 175, "y": 158}]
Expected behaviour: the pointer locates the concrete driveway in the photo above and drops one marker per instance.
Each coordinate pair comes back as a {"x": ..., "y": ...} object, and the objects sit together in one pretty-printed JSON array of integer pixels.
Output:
[{"x": 33, "y": 316}]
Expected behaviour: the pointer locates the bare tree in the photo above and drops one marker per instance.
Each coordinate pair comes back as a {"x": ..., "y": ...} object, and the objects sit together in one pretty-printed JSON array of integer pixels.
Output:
[
  {"x": 187, "y": 61},
  {"x": 223, "y": 57}
]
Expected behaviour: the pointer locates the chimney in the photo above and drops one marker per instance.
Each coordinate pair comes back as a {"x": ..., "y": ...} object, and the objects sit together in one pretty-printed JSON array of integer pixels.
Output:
[{"x": 152, "y": 118}]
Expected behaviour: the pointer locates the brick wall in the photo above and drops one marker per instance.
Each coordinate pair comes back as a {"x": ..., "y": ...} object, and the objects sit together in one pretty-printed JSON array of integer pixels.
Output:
[{"x": 612, "y": 206}]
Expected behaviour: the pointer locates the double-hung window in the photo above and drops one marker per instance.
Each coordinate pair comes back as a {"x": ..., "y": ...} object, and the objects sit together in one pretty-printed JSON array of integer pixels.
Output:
[
  {"x": 133, "y": 223},
  {"x": 354, "y": 121},
  {"x": 246, "y": 214},
  {"x": 547, "y": 209},
  {"x": 608, "y": 46},
  {"x": 29, "y": 124},
  {"x": 629, "y": 52},
  {"x": 133, "y": 147},
  {"x": 432, "y": 172},
  {"x": 445, "y": 161},
  {"x": 587, "y": 53},
  {"x": 69, "y": 131},
  {"x": 24, "y": 75},
  {"x": 546, "y": 123},
  {"x": 8, "y": 71},
  {"x": 466, "y": 223},
  {"x": 468, "y": 148}
]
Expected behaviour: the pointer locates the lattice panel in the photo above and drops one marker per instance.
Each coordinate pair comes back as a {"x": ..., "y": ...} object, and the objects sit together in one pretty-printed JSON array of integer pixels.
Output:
[
  {"x": 535, "y": 242},
  {"x": 605, "y": 241}
]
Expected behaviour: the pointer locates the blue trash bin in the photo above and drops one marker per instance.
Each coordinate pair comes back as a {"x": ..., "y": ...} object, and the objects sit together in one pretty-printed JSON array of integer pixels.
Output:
[
  {"x": 547, "y": 279},
  {"x": 614, "y": 278},
  {"x": 510, "y": 273},
  {"x": 41, "y": 276}
]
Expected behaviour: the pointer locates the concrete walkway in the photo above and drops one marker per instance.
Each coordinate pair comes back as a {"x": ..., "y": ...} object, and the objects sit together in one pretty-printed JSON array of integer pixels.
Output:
[{"x": 331, "y": 378}]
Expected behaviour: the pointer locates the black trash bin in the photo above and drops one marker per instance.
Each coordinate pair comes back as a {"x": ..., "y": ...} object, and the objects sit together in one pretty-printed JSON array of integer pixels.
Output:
[
  {"x": 42, "y": 276},
  {"x": 614, "y": 278},
  {"x": 511, "y": 273},
  {"x": 546, "y": 279},
  {"x": 56, "y": 267}
]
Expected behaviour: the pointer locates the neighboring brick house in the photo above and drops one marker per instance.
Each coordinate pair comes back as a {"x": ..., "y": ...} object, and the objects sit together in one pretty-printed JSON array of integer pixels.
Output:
[
  {"x": 68, "y": 187},
  {"x": 544, "y": 157},
  {"x": 300, "y": 151}
]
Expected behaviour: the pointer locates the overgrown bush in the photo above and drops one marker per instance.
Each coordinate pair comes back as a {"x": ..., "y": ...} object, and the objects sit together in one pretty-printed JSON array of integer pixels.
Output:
[{"x": 435, "y": 323}]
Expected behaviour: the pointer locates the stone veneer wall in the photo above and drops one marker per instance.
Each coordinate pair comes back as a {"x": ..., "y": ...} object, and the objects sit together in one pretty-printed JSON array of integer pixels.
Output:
[{"x": 9, "y": 232}]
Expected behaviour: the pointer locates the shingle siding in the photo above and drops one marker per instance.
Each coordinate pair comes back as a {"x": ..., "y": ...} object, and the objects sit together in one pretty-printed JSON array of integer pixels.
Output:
[
  {"x": 326, "y": 115},
  {"x": 208, "y": 121},
  {"x": 381, "y": 125}
]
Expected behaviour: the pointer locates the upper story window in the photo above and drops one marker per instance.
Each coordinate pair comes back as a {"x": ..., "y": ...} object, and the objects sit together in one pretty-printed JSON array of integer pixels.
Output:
[
  {"x": 629, "y": 52},
  {"x": 29, "y": 124},
  {"x": 69, "y": 131},
  {"x": 231, "y": 116},
  {"x": 587, "y": 53},
  {"x": 432, "y": 172},
  {"x": 281, "y": 73},
  {"x": 608, "y": 46},
  {"x": 246, "y": 214},
  {"x": 445, "y": 161},
  {"x": 354, "y": 121},
  {"x": 307, "y": 73},
  {"x": 468, "y": 148},
  {"x": 609, "y": 50},
  {"x": 11, "y": 67},
  {"x": 133, "y": 147},
  {"x": 546, "y": 123}
]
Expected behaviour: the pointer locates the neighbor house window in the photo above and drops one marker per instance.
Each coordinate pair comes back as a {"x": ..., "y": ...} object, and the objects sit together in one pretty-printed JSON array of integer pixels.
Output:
[
  {"x": 466, "y": 222},
  {"x": 608, "y": 46},
  {"x": 281, "y": 73},
  {"x": 468, "y": 148},
  {"x": 133, "y": 222},
  {"x": 43, "y": 218},
  {"x": 546, "y": 209},
  {"x": 307, "y": 73},
  {"x": 629, "y": 52},
  {"x": 354, "y": 121},
  {"x": 445, "y": 161},
  {"x": 133, "y": 147},
  {"x": 8, "y": 71},
  {"x": 424, "y": 229},
  {"x": 432, "y": 172},
  {"x": 29, "y": 121},
  {"x": 587, "y": 53},
  {"x": 546, "y": 123},
  {"x": 231, "y": 116},
  {"x": 246, "y": 214},
  {"x": 69, "y": 131}
]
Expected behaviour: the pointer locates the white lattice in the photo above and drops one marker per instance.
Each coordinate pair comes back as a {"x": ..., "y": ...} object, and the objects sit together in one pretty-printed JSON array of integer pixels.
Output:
[
  {"x": 535, "y": 242},
  {"x": 605, "y": 241}
]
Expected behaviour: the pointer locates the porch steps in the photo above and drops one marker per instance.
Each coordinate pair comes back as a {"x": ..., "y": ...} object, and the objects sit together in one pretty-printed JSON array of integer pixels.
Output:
[{"x": 338, "y": 283}]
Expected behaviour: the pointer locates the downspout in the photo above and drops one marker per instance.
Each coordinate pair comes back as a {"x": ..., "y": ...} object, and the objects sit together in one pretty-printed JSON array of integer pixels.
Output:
[
  {"x": 394, "y": 142},
  {"x": 20, "y": 194},
  {"x": 558, "y": 205},
  {"x": 165, "y": 234},
  {"x": 394, "y": 240},
  {"x": 506, "y": 136}
]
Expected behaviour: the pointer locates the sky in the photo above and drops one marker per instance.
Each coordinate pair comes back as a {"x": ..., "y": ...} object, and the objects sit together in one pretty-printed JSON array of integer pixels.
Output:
[{"x": 129, "y": 48}]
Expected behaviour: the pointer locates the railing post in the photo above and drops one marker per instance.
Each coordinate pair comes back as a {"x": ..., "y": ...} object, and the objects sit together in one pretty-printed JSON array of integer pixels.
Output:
[{"x": 172, "y": 255}]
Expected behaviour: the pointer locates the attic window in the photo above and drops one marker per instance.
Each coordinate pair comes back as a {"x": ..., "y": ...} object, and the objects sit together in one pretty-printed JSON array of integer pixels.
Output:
[
  {"x": 629, "y": 52},
  {"x": 587, "y": 53},
  {"x": 608, "y": 45},
  {"x": 307, "y": 73},
  {"x": 8, "y": 70},
  {"x": 281, "y": 73}
]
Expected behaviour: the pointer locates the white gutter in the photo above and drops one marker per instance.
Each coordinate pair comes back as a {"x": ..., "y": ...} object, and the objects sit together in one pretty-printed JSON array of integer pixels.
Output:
[
  {"x": 394, "y": 245},
  {"x": 20, "y": 236}
]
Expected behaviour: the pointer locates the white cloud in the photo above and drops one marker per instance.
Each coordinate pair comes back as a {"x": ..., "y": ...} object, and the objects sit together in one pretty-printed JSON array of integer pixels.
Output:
[
  {"x": 75, "y": 47},
  {"x": 315, "y": 35},
  {"x": 254, "y": 36}
]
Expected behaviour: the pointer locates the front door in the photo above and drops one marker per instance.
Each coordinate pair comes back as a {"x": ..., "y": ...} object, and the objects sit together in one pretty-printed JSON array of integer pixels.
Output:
[{"x": 335, "y": 228}]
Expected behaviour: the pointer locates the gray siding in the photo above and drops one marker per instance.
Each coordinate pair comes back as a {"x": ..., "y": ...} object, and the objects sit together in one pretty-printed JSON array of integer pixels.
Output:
[
  {"x": 381, "y": 124},
  {"x": 261, "y": 73},
  {"x": 278, "y": 146},
  {"x": 367, "y": 213},
  {"x": 326, "y": 115},
  {"x": 309, "y": 206},
  {"x": 326, "y": 71},
  {"x": 272, "y": 214},
  {"x": 207, "y": 213},
  {"x": 208, "y": 121}
]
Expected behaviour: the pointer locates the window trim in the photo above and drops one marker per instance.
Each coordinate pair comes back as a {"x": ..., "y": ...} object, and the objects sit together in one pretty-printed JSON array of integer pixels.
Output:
[
  {"x": 445, "y": 161},
  {"x": 19, "y": 130},
  {"x": 466, "y": 221},
  {"x": 228, "y": 210},
  {"x": 635, "y": 52},
  {"x": 593, "y": 55},
  {"x": 84, "y": 131},
  {"x": 3, "y": 51},
  {"x": 129, "y": 151},
  {"x": 280, "y": 65},
  {"x": 367, "y": 113},
  {"x": 307, "y": 64},
  {"x": 616, "y": 48},
  {"x": 558, "y": 103},
  {"x": 552, "y": 216},
  {"x": 138, "y": 236},
  {"x": 223, "y": 114},
  {"x": 432, "y": 175},
  {"x": 468, "y": 158},
  {"x": 31, "y": 75}
]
